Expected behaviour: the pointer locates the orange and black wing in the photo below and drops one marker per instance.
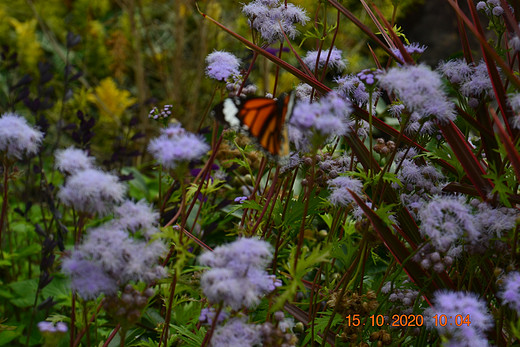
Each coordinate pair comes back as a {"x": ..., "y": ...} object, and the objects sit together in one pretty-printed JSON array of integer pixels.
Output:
[{"x": 263, "y": 118}]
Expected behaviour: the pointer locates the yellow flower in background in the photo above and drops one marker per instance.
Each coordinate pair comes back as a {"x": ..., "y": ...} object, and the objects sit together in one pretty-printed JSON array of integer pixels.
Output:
[
  {"x": 27, "y": 44},
  {"x": 111, "y": 101}
]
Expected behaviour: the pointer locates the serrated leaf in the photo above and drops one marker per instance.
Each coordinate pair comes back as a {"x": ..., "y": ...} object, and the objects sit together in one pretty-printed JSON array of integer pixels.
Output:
[{"x": 188, "y": 337}]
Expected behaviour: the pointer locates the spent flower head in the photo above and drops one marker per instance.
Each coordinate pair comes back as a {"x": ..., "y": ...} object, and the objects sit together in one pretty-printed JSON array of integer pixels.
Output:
[{"x": 17, "y": 137}]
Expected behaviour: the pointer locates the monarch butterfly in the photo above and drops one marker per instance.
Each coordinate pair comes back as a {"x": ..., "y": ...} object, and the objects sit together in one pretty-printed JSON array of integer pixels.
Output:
[{"x": 262, "y": 118}]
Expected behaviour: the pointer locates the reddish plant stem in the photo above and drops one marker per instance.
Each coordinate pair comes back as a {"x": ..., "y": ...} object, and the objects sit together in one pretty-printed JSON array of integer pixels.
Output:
[
  {"x": 209, "y": 334},
  {"x": 72, "y": 319},
  {"x": 112, "y": 335},
  {"x": 268, "y": 200},
  {"x": 164, "y": 334},
  {"x": 83, "y": 331}
]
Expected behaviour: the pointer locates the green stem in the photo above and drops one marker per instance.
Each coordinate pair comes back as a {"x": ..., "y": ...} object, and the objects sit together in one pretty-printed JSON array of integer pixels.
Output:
[{"x": 4, "y": 203}]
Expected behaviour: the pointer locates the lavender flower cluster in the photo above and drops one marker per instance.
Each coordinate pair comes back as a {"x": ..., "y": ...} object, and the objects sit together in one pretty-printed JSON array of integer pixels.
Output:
[
  {"x": 17, "y": 136},
  {"x": 452, "y": 304},
  {"x": 176, "y": 146},
  {"x": 272, "y": 19},
  {"x": 109, "y": 257},
  {"x": 312, "y": 123},
  {"x": 87, "y": 189},
  {"x": 237, "y": 277}
]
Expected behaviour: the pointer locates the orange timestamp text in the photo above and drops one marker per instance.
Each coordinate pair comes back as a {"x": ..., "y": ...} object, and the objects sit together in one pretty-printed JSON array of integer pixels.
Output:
[{"x": 407, "y": 320}]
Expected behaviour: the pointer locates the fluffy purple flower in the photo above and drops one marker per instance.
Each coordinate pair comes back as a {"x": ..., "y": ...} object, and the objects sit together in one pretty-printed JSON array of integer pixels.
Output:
[
  {"x": 452, "y": 304},
  {"x": 413, "y": 48},
  {"x": 497, "y": 11},
  {"x": 49, "y": 327},
  {"x": 493, "y": 221},
  {"x": 510, "y": 293},
  {"x": 351, "y": 86},
  {"x": 491, "y": 7},
  {"x": 396, "y": 110},
  {"x": 445, "y": 220},
  {"x": 137, "y": 216},
  {"x": 323, "y": 118},
  {"x": 339, "y": 194},
  {"x": 368, "y": 77},
  {"x": 175, "y": 145},
  {"x": 237, "y": 277},
  {"x": 87, "y": 278},
  {"x": 514, "y": 43},
  {"x": 239, "y": 256},
  {"x": 456, "y": 71},
  {"x": 222, "y": 65},
  {"x": 236, "y": 333},
  {"x": 124, "y": 257},
  {"x": 514, "y": 101},
  {"x": 272, "y": 19},
  {"x": 92, "y": 191},
  {"x": 478, "y": 84},
  {"x": 108, "y": 258},
  {"x": 420, "y": 90},
  {"x": 73, "y": 160},
  {"x": 17, "y": 137},
  {"x": 421, "y": 179},
  {"x": 207, "y": 316},
  {"x": 335, "y": 61},
  {"x": 241, "y": 199},
  {"x": 481, "y": 5}
]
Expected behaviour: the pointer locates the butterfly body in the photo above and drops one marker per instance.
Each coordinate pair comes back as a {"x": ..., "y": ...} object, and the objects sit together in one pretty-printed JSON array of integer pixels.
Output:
[{"x": 262, "y": 118}]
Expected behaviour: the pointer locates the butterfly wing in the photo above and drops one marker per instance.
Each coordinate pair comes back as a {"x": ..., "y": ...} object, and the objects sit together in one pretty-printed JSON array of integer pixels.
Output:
[{"x": 263, "y": 118}]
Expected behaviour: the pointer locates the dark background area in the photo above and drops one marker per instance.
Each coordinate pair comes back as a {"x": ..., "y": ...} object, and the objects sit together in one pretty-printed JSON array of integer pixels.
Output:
[{"x": 434, "y": 24}]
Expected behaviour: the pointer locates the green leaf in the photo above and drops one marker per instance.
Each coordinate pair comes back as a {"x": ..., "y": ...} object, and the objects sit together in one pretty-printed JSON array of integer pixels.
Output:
[
  {"x": 59, "y": 289},
  {"x": 306, "y": 262},
  {"x": 189, "y": 338},
  {"x": 32, "y": 249},
  {"x": 7, "y": 336},
  {"x": 320, "y": 323},
  {"x": 24, "y": 292},
  {"x": 139, "y": 187}
]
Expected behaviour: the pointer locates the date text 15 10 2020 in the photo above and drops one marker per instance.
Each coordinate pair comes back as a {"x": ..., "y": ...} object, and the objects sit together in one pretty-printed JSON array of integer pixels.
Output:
[{"x": 410, "y": 320}]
